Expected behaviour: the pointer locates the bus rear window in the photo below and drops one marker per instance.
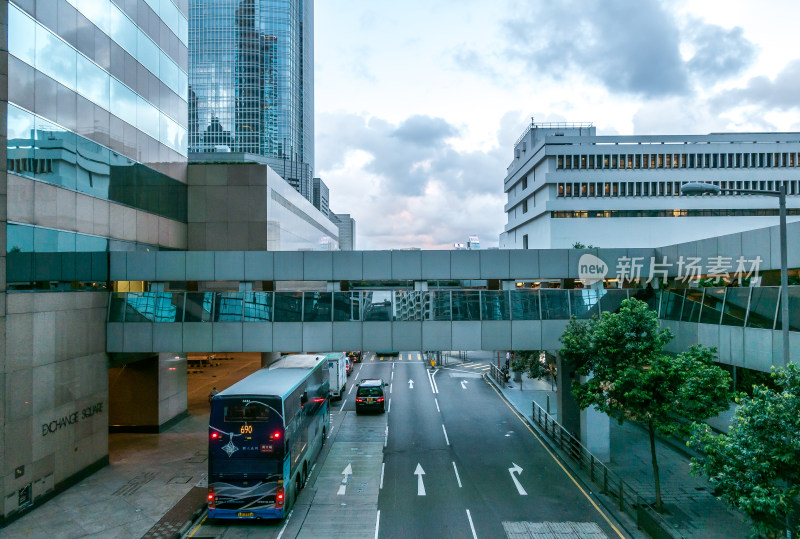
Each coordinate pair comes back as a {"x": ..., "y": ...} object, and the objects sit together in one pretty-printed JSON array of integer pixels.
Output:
[{"x": 249, "y": 411}]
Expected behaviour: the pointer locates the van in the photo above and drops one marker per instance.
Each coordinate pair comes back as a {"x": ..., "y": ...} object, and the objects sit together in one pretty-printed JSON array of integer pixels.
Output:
[{"x": 337, "y": 373}]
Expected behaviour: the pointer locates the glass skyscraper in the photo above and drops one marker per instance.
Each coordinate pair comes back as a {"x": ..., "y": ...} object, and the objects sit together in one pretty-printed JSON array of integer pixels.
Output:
[{"x": 251, "y": 83}]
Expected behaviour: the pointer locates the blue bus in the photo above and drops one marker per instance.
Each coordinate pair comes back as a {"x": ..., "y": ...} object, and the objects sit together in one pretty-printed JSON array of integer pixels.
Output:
[{"x": 264, "y": 434}]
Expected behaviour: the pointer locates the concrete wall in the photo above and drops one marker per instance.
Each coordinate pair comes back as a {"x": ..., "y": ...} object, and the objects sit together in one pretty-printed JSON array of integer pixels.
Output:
[{"x": 55, "y": 394}]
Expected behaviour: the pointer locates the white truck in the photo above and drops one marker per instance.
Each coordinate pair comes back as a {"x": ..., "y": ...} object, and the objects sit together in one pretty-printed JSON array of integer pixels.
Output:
[{"x": 337, "y": 372}]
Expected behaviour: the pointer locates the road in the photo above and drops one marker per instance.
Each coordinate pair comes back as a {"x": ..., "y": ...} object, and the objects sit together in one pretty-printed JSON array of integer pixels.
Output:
[{"x": 449, "y": 459}]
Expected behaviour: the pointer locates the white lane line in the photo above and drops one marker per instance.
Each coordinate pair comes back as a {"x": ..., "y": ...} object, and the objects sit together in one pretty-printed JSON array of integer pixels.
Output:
[
  {"x": 286, "y": 524},
  {"x": 390, "y": 389},
  {"x": 383, "y": 465},
  {"x": 445, "y": 435},
  {"x": 377, "y": 524},
  {"x": 457, "y": 477},
  {"x": 351, "y": 388},
  {"x": 433, "y": 379},
  {"x": 471, "y": 525},
  {"x": 390, "y": 406},
  {"x": 386, "y": 436},
  {"x": 342, "y": 408},
  {"x": 437, "y": 404},
  {"x": 392, "y": 378}
]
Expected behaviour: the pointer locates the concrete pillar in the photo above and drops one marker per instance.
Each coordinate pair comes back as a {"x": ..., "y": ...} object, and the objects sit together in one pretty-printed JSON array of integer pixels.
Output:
[
  {"x": 569, "y": 415},
  {"x": 596, "y": 433},
  {"x": 268, "y": 358}
]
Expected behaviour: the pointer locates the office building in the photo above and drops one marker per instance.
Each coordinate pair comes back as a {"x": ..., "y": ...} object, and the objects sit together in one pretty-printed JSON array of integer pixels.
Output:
[
  {"x": 347, "y": 231},
  {"x": 251, "y": 83},
  {"x": 321, "y": 199},
  {"x": 566, "y": 185},
  {"x": 94, "y": 127}
]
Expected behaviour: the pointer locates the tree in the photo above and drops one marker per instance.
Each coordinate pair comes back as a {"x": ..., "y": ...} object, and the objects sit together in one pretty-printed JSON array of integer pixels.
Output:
[
  {"x": 756, "y": 465},
  {"x": 629, "y": 376}
]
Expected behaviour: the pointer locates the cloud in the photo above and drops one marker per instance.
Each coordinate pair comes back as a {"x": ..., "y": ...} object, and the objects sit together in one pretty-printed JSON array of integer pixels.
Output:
[
  {"x": 780, "y": 93},
  {"x": 629, "y": 47},
  {"x": 406, "y": 185},
  {"x": 719, "y": 52}
]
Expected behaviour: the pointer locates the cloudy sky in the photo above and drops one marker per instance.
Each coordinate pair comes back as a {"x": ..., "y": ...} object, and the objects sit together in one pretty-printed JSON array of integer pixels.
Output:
[{"x": 418, "y": 103}]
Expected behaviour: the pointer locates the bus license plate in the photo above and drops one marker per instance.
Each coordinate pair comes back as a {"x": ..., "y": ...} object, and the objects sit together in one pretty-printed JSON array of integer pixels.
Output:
[{"x": 244, "y": 514}]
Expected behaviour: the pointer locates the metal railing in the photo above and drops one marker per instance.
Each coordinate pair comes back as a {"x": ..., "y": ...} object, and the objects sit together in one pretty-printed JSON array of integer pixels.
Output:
[{"x": 607, "y": 482}]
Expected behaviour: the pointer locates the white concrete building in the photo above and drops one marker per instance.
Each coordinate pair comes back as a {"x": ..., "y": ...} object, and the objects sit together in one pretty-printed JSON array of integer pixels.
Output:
[{"x": 565, "y": 185}]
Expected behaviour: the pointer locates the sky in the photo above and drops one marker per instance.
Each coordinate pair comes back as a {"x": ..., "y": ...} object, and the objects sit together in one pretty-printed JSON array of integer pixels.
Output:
[{"x": 418, "y": 103}]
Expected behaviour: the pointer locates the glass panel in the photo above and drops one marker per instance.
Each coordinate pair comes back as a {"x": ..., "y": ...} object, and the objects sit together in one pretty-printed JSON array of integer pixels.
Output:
[
  {"x": 147, "y": 117},
  {"x": 117, "y": 308},
  {"x": 93, "y": 171},
  {"x": 692, "y": 305},
  {"x": 585, "y": 302},
  {"x": 19, "y": 239},
  {"x": 441, "y": 305},
  {"x": 346, "y": 306},
  {"x": 646, "y": 294},
  {"x": 524, "y": 304},
  {"x": 763, "y": 304},
  {"x": 93, "y": 82},
  {"x": 123, "y": 101},
  {"x": 466, "y": 305},
  {"x": 55, "y": 58},
  {"x": 735, "y": 306},
  {"x": 56, "y": 159},
  {"x": 258, "y": 306},
  {"x": 20, "y": 141},
  {"x": 228, "y": 306},
  {"x": 198, "y": 307},
  {"x": 672, "y": 310},
  {"x": 412, "y": 305},
  {"x": 317, "y": 307},
  {"x": 611, "y": 299},
  {"x": 794, "y": 308},
  {"x": 554, "y": 304},
  {"x": 21, "y": 32},
  {"x": 288, "y": 306},
  {"x": 712, "y": 305},
  {"x": 495, "y": 305},
  {"x": 377, "y": 305}
]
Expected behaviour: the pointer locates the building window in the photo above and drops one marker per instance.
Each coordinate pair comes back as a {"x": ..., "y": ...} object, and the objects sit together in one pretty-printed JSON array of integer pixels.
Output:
[
  {"x": 524, "y": 241},
  {"x": 560, "y": 162},
  {"x": 525, "y": 206},
  {"x": 560, "y": 190},
  {"x": 591, "y": 161}
]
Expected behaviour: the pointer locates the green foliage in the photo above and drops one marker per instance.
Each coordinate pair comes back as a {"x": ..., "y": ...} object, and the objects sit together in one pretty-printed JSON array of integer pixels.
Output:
[
  {"x": 756, "y": 465},
  {"x": 579, "y": 245},
  {"x": 530, "y": 361},
  {"x": 630, "y": 377}
]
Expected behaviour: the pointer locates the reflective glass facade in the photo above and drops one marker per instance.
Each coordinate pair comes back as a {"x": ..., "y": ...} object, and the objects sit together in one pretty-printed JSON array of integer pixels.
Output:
[{"x": 251, "y": 82}]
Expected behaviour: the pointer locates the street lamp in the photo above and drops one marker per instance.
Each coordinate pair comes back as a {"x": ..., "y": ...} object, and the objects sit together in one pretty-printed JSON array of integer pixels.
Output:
[{"x": 698, "y": 188}]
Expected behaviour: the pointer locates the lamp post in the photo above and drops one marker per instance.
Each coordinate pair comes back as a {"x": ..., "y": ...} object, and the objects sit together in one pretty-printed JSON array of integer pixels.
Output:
[{"x": 698, "y": 188}]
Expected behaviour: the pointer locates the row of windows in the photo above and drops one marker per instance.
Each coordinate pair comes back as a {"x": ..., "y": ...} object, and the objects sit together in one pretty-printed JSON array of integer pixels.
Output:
[
  {"x": 38, "y": 149},
  {"x": 678, "y": 160},
  {"x": 68, "y": 67},
  {"x": 648, "y": 189},
  {"x": 38, "y": 46},
  {"x": 37, "y": 239},
  {"x": 584, "y": 214}
]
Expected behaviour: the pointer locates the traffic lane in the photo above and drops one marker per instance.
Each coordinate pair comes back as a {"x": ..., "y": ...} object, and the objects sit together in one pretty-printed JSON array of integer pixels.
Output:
[
  {"x": 507, "y": 473},
  {"x": 420, "y": 494}
]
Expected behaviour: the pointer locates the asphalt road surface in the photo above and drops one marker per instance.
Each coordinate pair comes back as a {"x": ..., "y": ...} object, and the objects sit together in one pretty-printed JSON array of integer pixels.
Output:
[{"x": 450, "y": 458}]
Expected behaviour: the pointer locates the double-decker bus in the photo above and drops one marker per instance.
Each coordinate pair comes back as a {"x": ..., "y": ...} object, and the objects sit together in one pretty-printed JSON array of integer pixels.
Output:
[{"x": 264, "y": 434}]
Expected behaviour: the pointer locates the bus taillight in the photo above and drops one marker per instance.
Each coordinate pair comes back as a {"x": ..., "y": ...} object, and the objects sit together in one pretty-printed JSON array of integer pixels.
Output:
[
  {"x": 275, "y": 435},
  {"x": 212, "y": 500},
  {"x": 279, "y": 498},
  {"x": 215, "y": 436}
]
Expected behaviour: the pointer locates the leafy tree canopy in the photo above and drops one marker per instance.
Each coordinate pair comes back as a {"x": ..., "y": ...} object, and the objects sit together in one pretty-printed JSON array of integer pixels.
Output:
[{"x": 756, "y": 465}]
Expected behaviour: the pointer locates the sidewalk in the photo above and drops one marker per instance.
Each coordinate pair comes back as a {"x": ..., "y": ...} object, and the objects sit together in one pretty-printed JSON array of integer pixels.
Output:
[{"x": 691, "y": 507}]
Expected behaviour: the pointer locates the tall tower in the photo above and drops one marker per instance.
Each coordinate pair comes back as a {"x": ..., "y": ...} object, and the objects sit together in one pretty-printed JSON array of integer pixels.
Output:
[{"x": 251, "y": 83}]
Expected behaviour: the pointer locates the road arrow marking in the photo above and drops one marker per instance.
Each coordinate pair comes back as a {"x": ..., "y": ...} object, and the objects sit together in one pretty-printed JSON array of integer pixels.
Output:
[
  {"x": 518, "y": 470},
  {"x": 419, "y": 472},
  {"x": 347, "y": 472},
  {"x": 411, "y": 384},
  {"x": 463, "y": 384}
]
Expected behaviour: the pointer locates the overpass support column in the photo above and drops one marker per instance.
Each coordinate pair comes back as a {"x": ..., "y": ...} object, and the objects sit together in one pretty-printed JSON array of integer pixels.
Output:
[{"x": 589, "y": 426}]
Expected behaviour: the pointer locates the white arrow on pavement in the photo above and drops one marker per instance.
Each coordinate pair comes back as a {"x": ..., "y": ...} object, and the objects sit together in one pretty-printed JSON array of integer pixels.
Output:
[
  {"x": 463, "y": 384},
  {"x": 419, "y": 472},
  {"x": 411, "y": 384},
  {"x": 348, "y": 471},
  {"x": 518, "y": 470}
]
